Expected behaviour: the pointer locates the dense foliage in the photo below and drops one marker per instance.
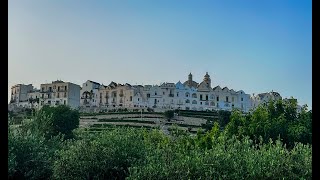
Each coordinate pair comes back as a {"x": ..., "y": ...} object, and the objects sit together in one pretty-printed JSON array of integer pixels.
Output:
[
  {"x": 248, "y": 148},
  {"x": 107, "y": 155},
  {"x": 63, "y": 120},
  {"x": 169, "y": 114},
  {"x": 31, "y": 155},
  {"x": 273, "y": 120}
]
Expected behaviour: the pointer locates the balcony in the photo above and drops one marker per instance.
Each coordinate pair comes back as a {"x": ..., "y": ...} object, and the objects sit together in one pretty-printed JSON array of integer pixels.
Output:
[{"x": 45, "y": 91}]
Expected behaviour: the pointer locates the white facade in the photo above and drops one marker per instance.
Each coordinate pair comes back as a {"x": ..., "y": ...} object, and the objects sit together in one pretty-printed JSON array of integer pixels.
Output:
[
  {"x": 89, "y": 94},
  {"x": 258, "y": 99},
  {"x": 19, "y": 93},
  {"x": 58, "y": 93},
  {"x": 189, "y": 95}
]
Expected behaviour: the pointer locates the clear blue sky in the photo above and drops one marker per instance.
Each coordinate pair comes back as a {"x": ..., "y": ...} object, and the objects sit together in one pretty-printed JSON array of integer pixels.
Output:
[{"x": 253, "y": 45}]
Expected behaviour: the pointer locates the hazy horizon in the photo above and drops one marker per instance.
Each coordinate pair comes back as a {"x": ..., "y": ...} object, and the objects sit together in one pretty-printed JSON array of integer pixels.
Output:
[{"x": 254, "y": 46}]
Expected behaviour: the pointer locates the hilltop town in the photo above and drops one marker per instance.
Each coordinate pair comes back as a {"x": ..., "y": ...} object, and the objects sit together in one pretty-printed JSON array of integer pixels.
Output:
[{"x": 93, "y": 96}]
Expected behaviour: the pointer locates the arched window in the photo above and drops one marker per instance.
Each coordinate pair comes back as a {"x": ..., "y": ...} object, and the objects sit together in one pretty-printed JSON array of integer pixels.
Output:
[
  {"x": 194, "y": 95},
  {"x": 187, "y": 94},
  {"x": 187, "y": 101},
  {"x": 194, "y": 102},
  {"x": 212, "y": 103},
  {"x": 206, "y": 103}
]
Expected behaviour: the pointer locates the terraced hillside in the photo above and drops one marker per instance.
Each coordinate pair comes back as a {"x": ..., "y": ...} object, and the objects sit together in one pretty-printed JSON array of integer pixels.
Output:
[{"x": 191, "y": 121}]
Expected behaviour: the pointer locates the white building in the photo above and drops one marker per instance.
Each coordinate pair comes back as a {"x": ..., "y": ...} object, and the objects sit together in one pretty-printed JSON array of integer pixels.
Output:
[
  {"x": 59, "y": 92},
  {"x": 19, "y": 92},
  {"x": 89, "y": 94},
  {"x": 187, "y": 96},
  {"x": 19, "y": 95},
  {"x": 258, "y": 99},
  {"x": 34, "y": 99}
]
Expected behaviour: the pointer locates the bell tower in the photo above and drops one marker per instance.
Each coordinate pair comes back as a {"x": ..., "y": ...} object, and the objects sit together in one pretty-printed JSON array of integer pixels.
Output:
[
  {"x": 190, "y": 78},
  {"x": 207, "y": 79}
]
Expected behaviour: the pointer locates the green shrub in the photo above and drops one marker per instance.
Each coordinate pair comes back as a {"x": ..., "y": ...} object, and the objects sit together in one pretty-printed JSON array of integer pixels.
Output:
[
  {"x": 106, "y": 155},
  {"x": 31, "y": 156},
  {"x": 169, "y": 114},
  {"x": 64, "y": 120}
]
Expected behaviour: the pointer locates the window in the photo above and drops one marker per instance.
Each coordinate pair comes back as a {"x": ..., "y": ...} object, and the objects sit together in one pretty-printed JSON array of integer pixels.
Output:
[
  {"x": 50, "y": 89},
  {"x": 207, "y": 97},
  {"x": 194, "y": 102},
  {"x": 241, "y": 99},
  {"x": 194, "y": 95},
  {"x": 42, "y": 89},
  {"x": 58, "y": 88},
  {"x": 155, "y": 93},
  {"x": 177, "y": 94},
  {"x": 148, "y": 95},
  {"x": 187, "y": 94},
  {"x": 212, "y": 103},
  {"x": 64, "y": 102},
  {"x": 138, "y": 99},
  {"x": 42, "y": 95},
  {"x": 58, "y": 95},
  {"x": 201, "y": 103},
  {"x": 100, "y": 95},
  {"x": 49, "y": 102},
  {"x": 65, "y": 94},
  {"x": 227, "y": 98},
  {"x": 163, "y": 92},
  {"x": 187, "y": 101},
  {"x": 65, "y": 87},
  {"x": 217, "y": 98},
  {"x": 130, "y": 98},
  {"x": 200, "y": 96},
  {"x": 232, "y": 99}
]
